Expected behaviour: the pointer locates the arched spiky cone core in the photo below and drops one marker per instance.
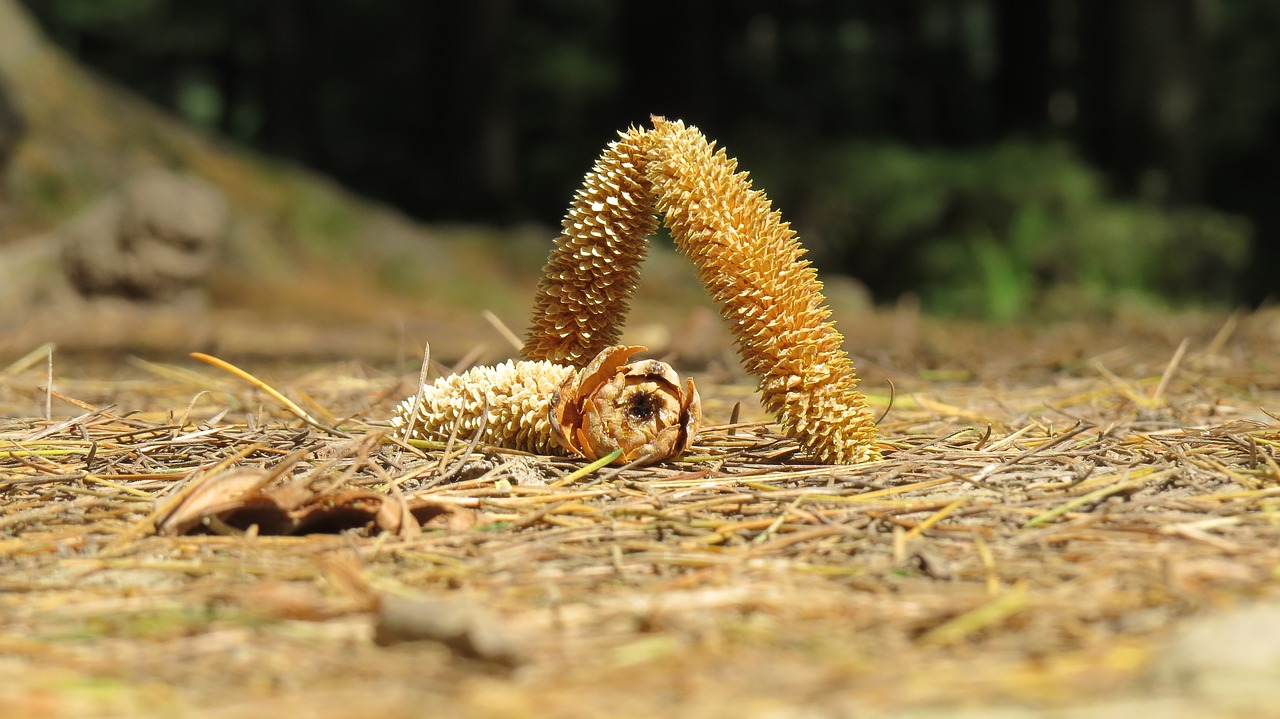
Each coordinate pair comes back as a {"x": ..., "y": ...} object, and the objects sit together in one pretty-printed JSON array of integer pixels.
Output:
[
  {"x": 595, "y": 265},
  {"x": 748, "y": 259},
  {"x": 750, "y": 262}
]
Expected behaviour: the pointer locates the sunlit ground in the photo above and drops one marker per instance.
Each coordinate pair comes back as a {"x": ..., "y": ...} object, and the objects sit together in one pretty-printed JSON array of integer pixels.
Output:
[{"x": 1066, "y": 517}]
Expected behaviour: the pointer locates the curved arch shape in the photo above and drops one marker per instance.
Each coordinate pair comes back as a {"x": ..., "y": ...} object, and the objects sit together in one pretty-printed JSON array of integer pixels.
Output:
[{"x": 747, "y": 259}]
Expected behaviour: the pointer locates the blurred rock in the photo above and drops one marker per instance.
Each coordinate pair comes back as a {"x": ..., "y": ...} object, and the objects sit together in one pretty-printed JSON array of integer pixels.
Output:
[
  {"x": 1229, "y": 659},
  {"x": 153, "y": 243}
]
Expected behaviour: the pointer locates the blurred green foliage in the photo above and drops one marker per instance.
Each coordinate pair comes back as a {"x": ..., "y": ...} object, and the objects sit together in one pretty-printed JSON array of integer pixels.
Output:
[
  {"x": 1051, "y": 157},
  {"x": 1012, "y": 229}
]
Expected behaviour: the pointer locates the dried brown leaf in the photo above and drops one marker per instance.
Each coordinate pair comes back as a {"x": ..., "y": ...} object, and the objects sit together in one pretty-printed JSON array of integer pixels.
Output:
[{"x": 236, "y": 501}]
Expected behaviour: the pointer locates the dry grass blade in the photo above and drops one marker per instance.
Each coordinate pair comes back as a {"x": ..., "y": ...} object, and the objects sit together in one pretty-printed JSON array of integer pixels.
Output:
[
  {"x": 1128, "y": 481},
  {"x": 1174, "y": 362},
  {"x": 978, "y": 619},
  {"x": 503, "y": 329},
  {"x": 587, "y": 469},
  {"x": 29, "y": 359},
  {"x": 276, "y": 394}
]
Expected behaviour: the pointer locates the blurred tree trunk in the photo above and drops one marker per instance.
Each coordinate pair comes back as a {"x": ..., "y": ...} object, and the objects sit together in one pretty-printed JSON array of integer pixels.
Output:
[
  {"x": 1148, "y": 76},
  {"x": 229, "y": 72},
  {"x": 12, "y": 128},
  {"x": 496, "y": 141},
  {"x": 915, "y": 106},
  {"x": 1024, "y": 79},
  {"x": 470, "y": 108},
  {"x": 288, "y": 99},
  {"x": 671, "y": 55},
  {"x": 942, "y": 98}
]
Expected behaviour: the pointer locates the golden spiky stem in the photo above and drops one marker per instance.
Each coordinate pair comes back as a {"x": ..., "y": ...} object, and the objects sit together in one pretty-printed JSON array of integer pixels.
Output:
[
  {"x": 518, "y": 397},
  {"x": 595, "y": 266},
  {"x": 748, "y": 259},
  {"x": 750, "y": 262}
]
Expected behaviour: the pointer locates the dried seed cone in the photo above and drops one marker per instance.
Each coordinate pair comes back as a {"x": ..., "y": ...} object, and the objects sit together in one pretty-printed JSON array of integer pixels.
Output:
[
  {"x": 638, "y": 407},
  {"x": 542, "y": 407},
  {"x": 750, "y": 262},
  {"x": 518, "y": 395},
  {"x": 594, "y": 268}
]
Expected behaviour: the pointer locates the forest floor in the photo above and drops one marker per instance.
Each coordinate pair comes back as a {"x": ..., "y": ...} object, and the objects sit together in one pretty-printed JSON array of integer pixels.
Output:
[{"x": 1073, "y": 520}]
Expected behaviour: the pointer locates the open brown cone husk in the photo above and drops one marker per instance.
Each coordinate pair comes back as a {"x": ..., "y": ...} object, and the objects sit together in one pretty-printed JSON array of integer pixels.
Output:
[{"x": 637, "y": 407}]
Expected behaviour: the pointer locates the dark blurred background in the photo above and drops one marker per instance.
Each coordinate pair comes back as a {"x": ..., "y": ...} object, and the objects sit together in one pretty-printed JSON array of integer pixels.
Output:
[{"x": 993, "y": 157}]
